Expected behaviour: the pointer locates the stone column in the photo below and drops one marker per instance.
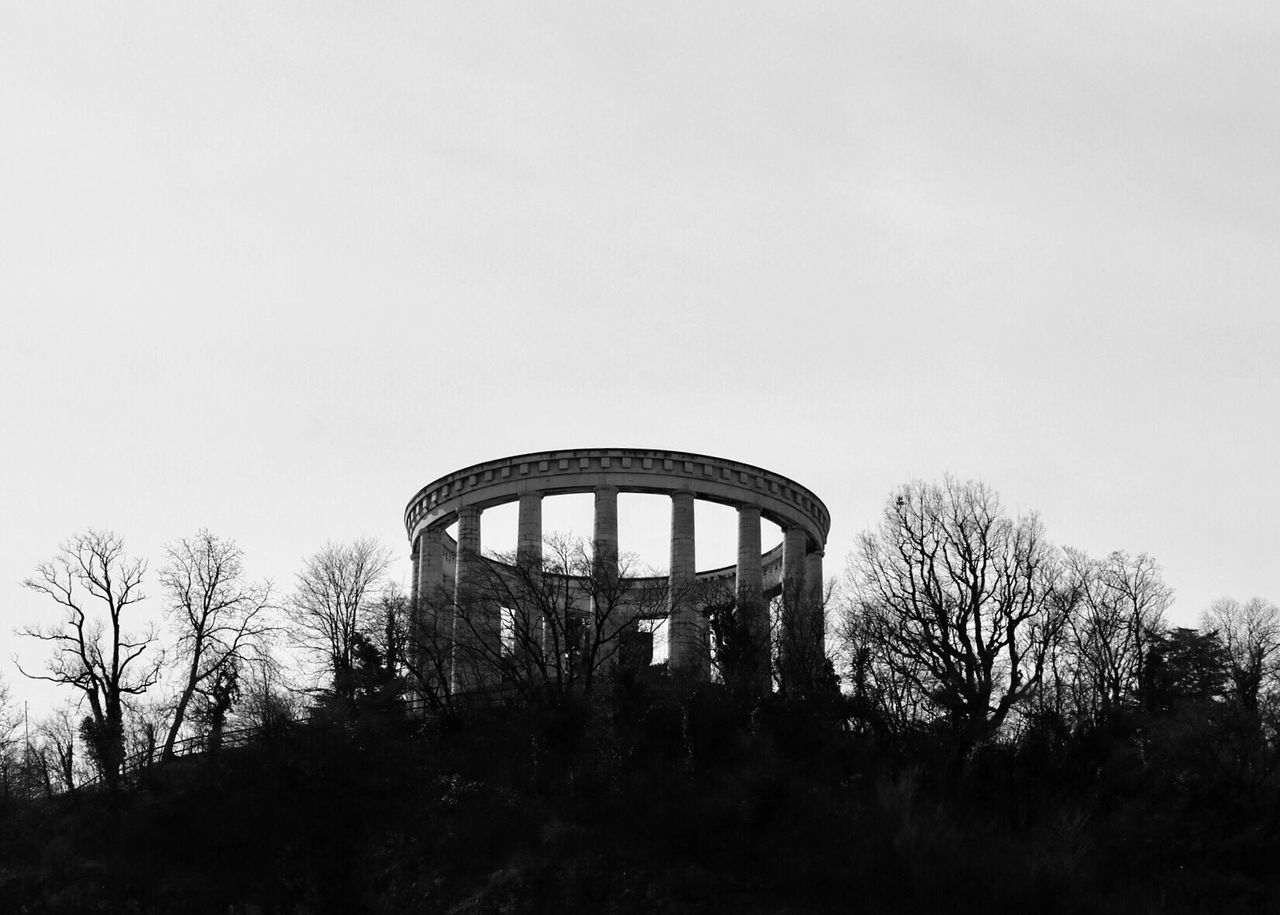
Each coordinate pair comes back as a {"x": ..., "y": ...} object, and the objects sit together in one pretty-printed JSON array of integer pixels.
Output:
[
  {"x": 604, "y": 536},
  {"x": 606, "y": 611},
  {"x": 432, "y": 639},
  {"x": 527, "y": 622},
  {"x": 753, "y": 612},
  {"x": 792, "y": 640},
  {"x": 475, "y": 638},
  {"x": 687, "y": 628},
  {"x": 430, "y": 566},
  {"x": 814, "y": 617},
  {"x": 795, "y": 548}
]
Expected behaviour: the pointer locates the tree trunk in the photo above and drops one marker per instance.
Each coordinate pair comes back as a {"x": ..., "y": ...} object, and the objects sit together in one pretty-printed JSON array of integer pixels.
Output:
[{"x": 179, "y": 714}]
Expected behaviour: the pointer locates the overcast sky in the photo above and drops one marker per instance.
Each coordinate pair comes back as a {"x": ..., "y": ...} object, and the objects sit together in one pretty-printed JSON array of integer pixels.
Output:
[{"x": 269, "y": 268}]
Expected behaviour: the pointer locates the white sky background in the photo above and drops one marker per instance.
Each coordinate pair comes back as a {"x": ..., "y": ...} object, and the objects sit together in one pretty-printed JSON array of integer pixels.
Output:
[{"x": 269, "y": 268}]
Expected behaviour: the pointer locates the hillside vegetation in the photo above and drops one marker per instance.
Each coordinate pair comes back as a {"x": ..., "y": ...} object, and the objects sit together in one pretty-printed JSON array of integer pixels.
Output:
[{"x": 642, "y": 799}]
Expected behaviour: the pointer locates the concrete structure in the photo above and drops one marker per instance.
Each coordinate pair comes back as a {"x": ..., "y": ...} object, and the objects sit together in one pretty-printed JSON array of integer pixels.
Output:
[{"x": 445, "y": 570}]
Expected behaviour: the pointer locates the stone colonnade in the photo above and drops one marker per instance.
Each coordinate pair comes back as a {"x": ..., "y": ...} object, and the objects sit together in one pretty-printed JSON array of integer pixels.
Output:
[{"x": 756, "y": 494}]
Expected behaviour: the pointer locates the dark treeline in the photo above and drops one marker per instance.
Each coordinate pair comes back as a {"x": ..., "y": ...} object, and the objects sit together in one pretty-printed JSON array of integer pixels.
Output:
[{"x": 1001, "y": 725}]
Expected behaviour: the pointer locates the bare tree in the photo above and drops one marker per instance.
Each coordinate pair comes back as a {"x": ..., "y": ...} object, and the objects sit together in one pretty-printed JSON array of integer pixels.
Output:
[
  {"x": 427, "y": 653},
  {"x": 1250, "y": 632},
  {"x": 797, "y": 624},
  {"x": 388, "y": 633},
  {"x": 1119, "y": 610},
  {"x": 542, "y": 625},
  {"x": 390, "y": 621},
  {"x": 11, "y": 749},
  {"x": 93, "y": 653},
  {"x": 330, "y": 606},
  {"x": 790, "y": 657},
  {"x": 266, "y": 701},
  {"x": 142, "y": 737},
  {"x": 964, "y": 599},
  {"x": 215, "y": 701},
  {"x": 886, "y": 689},
  {"x": 220, "y": 617},
  {"x": 55, "y": 747},
  {"x": 739, "y": 659}
]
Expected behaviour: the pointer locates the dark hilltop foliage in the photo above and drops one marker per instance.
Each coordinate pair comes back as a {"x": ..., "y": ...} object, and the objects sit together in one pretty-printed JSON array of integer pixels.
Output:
[{"x": 643, "y": 797}]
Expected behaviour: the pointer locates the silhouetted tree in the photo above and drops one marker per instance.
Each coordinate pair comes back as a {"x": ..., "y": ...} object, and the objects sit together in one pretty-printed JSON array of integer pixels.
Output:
[
  {"x": 214, "y": 702},
  {"x": 144, "y": 732},
  {"x": 93, "y": 653},
  {"x": 1250, "y": 633},
  {"x": 218, "y": 615},
  {"x": 331, "y": 604},
  {"x": 376, "y": 679},
  {"x": 264, "y": 700},
  {"x": 56, "y": 746},
  {"x": 797, "y": 624},
  {"x": 1119, "y": 610},
  {"x": 376, "y": 682},
  {"x": 1185, "y": 667},
  {"x": 735, "y": 656},
  {"x": 388, "y": 631},
  {"x": 885, "y": 687},
  {"x": 11, "y": 749},
  {"x": 964, "y": 600}
]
